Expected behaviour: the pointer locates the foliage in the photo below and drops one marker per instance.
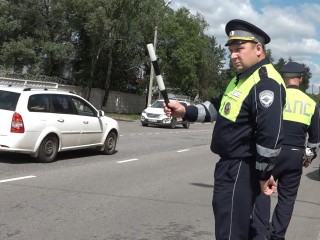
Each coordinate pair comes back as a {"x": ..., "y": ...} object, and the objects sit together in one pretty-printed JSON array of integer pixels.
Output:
[
  {"x": 102, "y": 43},
  {"x": 191, "y": 61}
]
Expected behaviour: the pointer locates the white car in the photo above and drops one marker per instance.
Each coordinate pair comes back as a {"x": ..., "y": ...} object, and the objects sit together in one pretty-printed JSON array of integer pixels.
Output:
[
  {"x": 43, "y": 122},
  {"x": 154, "y": 115}
]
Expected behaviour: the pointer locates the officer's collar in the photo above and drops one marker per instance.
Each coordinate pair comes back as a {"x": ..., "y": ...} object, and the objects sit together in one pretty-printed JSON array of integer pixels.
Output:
[
  {"x": 293, "y": 86},
  {"x": 252, "y": 69}
]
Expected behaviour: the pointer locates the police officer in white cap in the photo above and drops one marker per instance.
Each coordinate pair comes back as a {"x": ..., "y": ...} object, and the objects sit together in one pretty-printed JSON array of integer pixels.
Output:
[
  {"x": 301, "y": 121},
  {"x": 248, "y": 130}
]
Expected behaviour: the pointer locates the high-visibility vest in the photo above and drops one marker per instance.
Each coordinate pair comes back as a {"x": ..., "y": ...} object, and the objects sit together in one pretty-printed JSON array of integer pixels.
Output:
[
  {"x": 299, "y": 107},
  {"x": 235, "y": 94}
]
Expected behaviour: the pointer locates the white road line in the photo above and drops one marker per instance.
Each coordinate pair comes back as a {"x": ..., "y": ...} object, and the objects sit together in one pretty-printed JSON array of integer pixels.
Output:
[
  {"x": 183, "y": 150},
  {"x": 129, "y": 160},
  {"x": 16, "y": 179}
]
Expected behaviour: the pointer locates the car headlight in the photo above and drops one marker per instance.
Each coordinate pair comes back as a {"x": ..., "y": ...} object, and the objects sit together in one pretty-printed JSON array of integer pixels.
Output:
[{"x": 166, "y": 120}]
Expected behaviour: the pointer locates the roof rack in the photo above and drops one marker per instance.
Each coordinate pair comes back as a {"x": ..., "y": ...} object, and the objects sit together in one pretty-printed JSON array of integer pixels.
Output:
[{"x": 9, "y": 82}]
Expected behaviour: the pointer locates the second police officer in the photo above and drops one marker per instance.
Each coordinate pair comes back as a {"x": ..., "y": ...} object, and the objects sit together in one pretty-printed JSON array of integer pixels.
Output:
[
  {"x": 248, "y": 130},
  {"x": 301, "y": 122}
]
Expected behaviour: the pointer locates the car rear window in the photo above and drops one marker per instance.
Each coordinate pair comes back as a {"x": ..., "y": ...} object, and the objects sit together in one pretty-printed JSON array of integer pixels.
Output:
[
  {"x": 39, "y": 103},
  {"x": 8, "y": 100}
]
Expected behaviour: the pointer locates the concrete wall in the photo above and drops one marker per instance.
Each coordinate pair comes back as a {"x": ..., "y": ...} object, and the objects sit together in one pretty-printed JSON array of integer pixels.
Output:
[{"x": 118, "y": 102}]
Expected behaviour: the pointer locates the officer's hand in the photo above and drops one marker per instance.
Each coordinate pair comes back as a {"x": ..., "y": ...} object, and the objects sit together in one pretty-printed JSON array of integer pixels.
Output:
[
  {"x": 174, "y": 109},
  {"x": 306, "y": 163},
  {"x": 268, "y": 187},
  {"x": 309, "y": 155}
]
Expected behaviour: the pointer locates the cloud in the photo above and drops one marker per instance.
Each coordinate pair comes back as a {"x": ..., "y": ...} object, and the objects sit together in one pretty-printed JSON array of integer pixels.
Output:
[{"x": 293, "y": 27}]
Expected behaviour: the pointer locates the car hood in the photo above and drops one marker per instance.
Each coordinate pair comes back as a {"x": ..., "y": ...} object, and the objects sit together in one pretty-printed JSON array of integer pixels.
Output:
[{"x": 154, "y": 110}]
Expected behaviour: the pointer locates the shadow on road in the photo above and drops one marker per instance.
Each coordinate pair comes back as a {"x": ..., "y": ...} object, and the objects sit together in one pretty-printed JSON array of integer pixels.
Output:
[
  {"x": 18, "y": 158},
  {"x": 314, "y": 175},
  {"x": 202, "y": 185}
]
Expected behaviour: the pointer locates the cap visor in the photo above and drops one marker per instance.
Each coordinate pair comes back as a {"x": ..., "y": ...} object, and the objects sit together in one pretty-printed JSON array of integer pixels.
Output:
[
  {"x": 292, "y": 74},
  {"x": 235, "y": 41}
]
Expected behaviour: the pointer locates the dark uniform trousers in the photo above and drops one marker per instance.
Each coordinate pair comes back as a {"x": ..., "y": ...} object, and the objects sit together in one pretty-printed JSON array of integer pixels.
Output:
[
  {"x": 235, "y": 181},
  {"x": 287, "y": 172}
]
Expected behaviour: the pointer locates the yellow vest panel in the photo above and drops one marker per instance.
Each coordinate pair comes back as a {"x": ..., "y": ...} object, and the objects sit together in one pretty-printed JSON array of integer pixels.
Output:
[
  {"x": 235, "y": 94},
  {"x": 299, "y": 107}
]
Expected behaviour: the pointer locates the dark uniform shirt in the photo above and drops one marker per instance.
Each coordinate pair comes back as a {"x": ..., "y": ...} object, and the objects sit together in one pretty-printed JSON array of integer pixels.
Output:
[{"x": 257, "y": 129}]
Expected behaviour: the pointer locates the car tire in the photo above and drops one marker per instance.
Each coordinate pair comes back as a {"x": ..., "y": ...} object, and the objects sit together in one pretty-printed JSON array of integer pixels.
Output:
[
  {"x": 145, "y": 124},
  {"x": 186, "y": 125},
  {"x": 173, "y": 123},
  {"x": 110, "y": 144},
  {"x": 48, "y": 149}
]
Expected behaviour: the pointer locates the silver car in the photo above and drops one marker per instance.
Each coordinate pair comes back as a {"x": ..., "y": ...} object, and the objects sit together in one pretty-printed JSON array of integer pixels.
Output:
[{"x": 155, "y": 115}]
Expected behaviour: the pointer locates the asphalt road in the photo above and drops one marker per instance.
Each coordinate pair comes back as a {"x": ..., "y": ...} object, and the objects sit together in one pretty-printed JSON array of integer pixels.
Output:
[{"x": 157, "y": 186}]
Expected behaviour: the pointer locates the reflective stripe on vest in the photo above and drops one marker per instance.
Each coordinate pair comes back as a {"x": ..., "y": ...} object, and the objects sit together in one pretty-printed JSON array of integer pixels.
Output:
[
  {"x": 299, "y": 107},
  {"x": 234, "y": 95}
]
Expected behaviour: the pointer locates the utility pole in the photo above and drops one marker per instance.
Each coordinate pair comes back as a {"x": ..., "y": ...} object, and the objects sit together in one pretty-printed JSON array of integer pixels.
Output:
[{"x": 155, "y": 41}]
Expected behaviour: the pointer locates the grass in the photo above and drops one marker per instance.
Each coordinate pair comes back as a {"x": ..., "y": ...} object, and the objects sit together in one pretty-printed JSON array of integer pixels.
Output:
[{"x": 124, "y": 116}]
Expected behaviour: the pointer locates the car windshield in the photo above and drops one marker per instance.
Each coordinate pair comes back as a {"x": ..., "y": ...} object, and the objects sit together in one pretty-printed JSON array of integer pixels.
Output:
[
  {"x": 8, "y": 100},
  {"x": 157, "y": 104}
]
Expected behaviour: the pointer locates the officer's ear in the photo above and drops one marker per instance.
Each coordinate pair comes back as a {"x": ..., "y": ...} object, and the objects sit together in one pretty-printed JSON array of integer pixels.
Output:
[
  {"x": 259, "y": 49},
  {"x": 300, "y": 79}
]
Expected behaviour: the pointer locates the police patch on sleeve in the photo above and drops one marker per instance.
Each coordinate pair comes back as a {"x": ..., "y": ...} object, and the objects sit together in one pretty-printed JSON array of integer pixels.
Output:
[{"x": 266, "y": 98}]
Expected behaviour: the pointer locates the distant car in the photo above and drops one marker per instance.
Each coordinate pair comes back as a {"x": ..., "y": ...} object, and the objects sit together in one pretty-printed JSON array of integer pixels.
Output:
[
  {"x": 154, "y": 115},
  {"x": 43, "y": 122}
]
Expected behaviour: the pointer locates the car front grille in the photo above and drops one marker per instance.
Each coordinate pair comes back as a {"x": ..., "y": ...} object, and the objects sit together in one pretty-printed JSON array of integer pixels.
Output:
[{"x": 152, "y": 115}]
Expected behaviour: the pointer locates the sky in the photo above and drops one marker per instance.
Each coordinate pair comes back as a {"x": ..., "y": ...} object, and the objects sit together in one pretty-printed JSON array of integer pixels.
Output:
[{"x": 293, "y": 25}]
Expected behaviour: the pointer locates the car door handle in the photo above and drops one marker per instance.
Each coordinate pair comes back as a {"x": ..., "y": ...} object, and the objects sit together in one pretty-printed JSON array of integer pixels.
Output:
[
  {"x": 85, "y": 122},
  {"x": 61, "y": 120}
]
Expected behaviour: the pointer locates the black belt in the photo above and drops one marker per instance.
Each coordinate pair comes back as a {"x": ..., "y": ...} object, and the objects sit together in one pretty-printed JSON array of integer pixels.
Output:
[{"x": 294, "y": 148}]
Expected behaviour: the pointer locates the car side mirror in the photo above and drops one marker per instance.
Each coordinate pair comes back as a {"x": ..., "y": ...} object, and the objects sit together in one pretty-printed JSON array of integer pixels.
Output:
[{"x": 100, "y": 113}]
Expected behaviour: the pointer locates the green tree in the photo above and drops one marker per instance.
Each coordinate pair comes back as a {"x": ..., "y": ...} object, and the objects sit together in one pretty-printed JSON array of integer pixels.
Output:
[
  {"x": 35, "y": 36},
  {"x": 184, "y": 52},
  {"x": 211, "y": 76},
  {"x": 307, "y": 75},
  {"x": 102, "y": 43},
  {"x": 281, "y": 62}
]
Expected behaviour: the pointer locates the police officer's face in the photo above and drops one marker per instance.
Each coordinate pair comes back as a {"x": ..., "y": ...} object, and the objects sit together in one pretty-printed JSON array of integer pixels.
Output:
[{"x": 244, "y": 55}]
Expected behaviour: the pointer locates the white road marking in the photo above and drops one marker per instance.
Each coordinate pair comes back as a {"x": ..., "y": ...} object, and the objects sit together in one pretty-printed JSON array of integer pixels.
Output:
[
  {"x": 129, "y": 160},
  {"x": 16, "y": 179},
  {"x": 183, "y": 150}
]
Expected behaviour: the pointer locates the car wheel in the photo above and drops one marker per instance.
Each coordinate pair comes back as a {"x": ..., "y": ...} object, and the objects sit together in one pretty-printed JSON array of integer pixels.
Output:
[
  {"x": 110, "y": 144},
  {"x": 48, "y": 149},
  {"x": 186, "y": 125},
  {"x": 145, "y": 124},
  {"x": 173, "y": 123}
]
